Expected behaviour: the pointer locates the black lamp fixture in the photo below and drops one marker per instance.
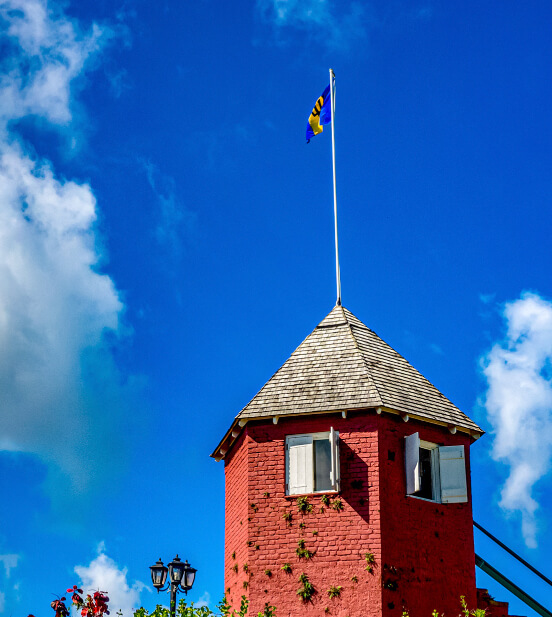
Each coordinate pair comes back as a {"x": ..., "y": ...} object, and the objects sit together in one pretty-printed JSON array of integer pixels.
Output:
[{"x": 181, "y": 578}]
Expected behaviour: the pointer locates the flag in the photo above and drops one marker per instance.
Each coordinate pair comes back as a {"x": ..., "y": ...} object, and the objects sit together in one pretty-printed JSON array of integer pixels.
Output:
[{"x": 321, "y": 114}]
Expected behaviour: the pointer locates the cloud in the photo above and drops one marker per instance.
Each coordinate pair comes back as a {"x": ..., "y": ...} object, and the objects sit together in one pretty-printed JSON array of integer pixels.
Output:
[
  {"x": 9, "y": 561},
  {"x": 46, "y": 52},
  {"x": 518, "y": 402},
  {"x": 104, "y": 574},
  {"x": 334, "y": 25},
  {"x": 436, "y": 349},
  {"x": 60, "y": 316},
  {"x": 204, "y": 600},
  {"x": 486, "y": 298},
  {"x": 173, "y": 218}
]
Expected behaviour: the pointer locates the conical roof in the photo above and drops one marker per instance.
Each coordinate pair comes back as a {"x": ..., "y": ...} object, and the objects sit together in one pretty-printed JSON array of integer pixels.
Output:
[{"x": 342, "y": 366}]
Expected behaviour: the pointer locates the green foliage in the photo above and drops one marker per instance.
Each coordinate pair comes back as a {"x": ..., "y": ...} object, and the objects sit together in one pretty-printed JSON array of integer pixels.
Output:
[
  {"x": 325, "y": 500},
  {"x": 337, "y": 505},
  {"x": 370, "y": 560},
  {"x": 244, "y": 603},
  {"x": 245, "y": 584},
  {"x": 224, "y": 607},
  {"x": 477, "y": 612},
  {"x": 234, "y": 555},
  {"x": 303, "y": 505},
  {"x": 301, "y": 551},
  {"x": 268, "y": 573},
  {"x": 268, "y": 611},
  {"x": 301, "y": 525},
  {"x": 235, "y": 567},
  {"x": 257, "y": 547},
  {"x": 159, "y": 611},
  {"x": 287, "y": 516},
  {"x": 306, "y": 591},
  {"x": 315, "y": 532},
  {"x": 185, "y": 610},
  {"x": 266, "y": 494},
  {"x": 254, "y": 507},
  {"x": 246, "y": 567},
  {"x": 334, "y": 591},
  {"x": 354, "y": 578},
  {"x": 286, "y": 568}
]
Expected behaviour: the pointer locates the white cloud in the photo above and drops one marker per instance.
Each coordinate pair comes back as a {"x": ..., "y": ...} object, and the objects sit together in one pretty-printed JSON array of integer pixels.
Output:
[
  {"x": 519, "y": 404},
  {"x": 104, "y": 574},
  {"x": 336, "y": 25},
  {"x": 47, "y": 52},
  {"x": 204, "y": 600},
  {"x": 436, "y": 349},
  {"x": 9, "y": 561},
  {"x": 173, "y": 218},
  {"x": 486, "y": 298},
  {"x": 59, "y": 385}
]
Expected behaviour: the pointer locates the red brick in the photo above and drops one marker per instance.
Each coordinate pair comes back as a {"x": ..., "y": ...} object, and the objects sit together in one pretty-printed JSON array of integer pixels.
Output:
[{"x": 425, "y": 548}]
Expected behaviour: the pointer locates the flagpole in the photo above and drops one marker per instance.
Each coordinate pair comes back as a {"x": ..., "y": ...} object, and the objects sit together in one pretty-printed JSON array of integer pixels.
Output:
[{"x": 337, "y": 272}]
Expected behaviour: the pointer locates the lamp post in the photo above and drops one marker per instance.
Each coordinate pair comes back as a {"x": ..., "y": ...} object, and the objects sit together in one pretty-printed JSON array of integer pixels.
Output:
[{"x": 181, "y": 578}]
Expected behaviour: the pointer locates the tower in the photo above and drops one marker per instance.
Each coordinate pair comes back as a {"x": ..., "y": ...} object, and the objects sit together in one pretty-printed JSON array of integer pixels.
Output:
[{"x": 348, "y": 485}]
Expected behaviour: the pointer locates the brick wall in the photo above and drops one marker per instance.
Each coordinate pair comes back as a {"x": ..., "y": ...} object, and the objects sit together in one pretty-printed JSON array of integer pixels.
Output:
[
  {"x": 236, "y": 525},
  {"x": 375, "y": 514},
  {"x": 430, "y": 545}
]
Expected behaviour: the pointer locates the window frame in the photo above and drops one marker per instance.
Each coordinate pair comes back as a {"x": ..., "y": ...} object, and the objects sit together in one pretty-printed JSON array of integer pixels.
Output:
[
  {"x": 334, "y": 461},
  {"x": 435, "y": 475},
  {"x": 443, "y": 461}
]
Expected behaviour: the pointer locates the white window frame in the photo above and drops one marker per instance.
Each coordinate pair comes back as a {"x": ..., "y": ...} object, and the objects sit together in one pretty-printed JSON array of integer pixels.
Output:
[
  {"x": 307, "y": 450},
  {"x": 448, "y": 471}
]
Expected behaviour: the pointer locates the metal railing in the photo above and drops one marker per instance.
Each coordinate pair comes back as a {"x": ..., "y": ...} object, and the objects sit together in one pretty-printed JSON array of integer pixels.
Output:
[{"x": 507, "y": 583}]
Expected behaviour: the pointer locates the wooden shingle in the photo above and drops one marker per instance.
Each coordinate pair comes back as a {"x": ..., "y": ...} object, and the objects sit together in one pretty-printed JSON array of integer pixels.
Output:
[{"x": 343, "y": 366}]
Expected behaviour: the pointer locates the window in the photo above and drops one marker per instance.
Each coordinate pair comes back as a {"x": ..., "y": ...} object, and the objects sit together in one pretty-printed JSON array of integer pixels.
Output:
[
  {"x": 312, "y": 463},
  {"x": 435, "y": 472}
]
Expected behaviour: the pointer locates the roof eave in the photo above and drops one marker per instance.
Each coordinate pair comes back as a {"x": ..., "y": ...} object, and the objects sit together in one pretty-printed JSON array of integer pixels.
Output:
[{"x": 229, "y": 439}]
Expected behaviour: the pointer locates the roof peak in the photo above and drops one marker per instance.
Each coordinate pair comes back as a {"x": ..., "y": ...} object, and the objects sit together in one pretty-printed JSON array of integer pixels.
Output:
[{"x": 343, "y": 365}]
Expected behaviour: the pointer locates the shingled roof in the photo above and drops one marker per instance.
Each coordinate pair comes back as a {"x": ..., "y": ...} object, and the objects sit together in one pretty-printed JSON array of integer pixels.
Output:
[{"x": 342, "y": 366}]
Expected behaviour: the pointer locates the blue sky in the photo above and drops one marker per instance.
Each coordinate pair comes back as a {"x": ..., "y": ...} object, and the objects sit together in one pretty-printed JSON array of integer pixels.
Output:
[{"x": 166, "y": 241}]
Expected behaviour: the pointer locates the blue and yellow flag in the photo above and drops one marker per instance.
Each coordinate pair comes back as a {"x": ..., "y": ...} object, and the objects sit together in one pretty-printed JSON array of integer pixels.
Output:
[{"x": 321, "y": 114}]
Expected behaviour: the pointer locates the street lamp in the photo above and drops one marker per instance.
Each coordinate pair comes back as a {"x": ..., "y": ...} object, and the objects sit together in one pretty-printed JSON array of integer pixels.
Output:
[{"x": 181, "y": 578}]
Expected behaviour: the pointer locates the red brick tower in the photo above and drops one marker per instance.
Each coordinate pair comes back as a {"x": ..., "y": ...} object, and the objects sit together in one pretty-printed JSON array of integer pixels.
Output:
[{"x": 348, "y": 485}]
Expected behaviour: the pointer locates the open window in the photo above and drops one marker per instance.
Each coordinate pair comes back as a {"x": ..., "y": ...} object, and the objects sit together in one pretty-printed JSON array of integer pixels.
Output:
[
  {"x": 312, "y": 463},
  {"x": 433, "y": 472}
]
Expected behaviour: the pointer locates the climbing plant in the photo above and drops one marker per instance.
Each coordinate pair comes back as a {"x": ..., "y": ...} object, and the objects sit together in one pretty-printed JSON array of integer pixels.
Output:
[
  {"x": 306, "y": 591},
  {"x": 303, "y": 505}
]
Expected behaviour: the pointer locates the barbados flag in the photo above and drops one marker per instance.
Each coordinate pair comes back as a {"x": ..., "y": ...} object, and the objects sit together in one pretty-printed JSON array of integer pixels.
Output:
[{"x": 321, "y": 114}]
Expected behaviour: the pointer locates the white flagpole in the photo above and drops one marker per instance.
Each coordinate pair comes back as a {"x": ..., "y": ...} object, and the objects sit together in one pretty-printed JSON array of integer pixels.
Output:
[{"x": 337, "y": 273}]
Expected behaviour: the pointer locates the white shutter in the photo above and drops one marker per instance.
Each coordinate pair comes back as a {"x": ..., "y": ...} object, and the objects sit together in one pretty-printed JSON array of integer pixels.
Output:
[
  {"x": 335, "y": 475},
  {"x": 452, "y": 468},
  {"x": 300, "y": 469},
  {"x": 412, "y": 463}
]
